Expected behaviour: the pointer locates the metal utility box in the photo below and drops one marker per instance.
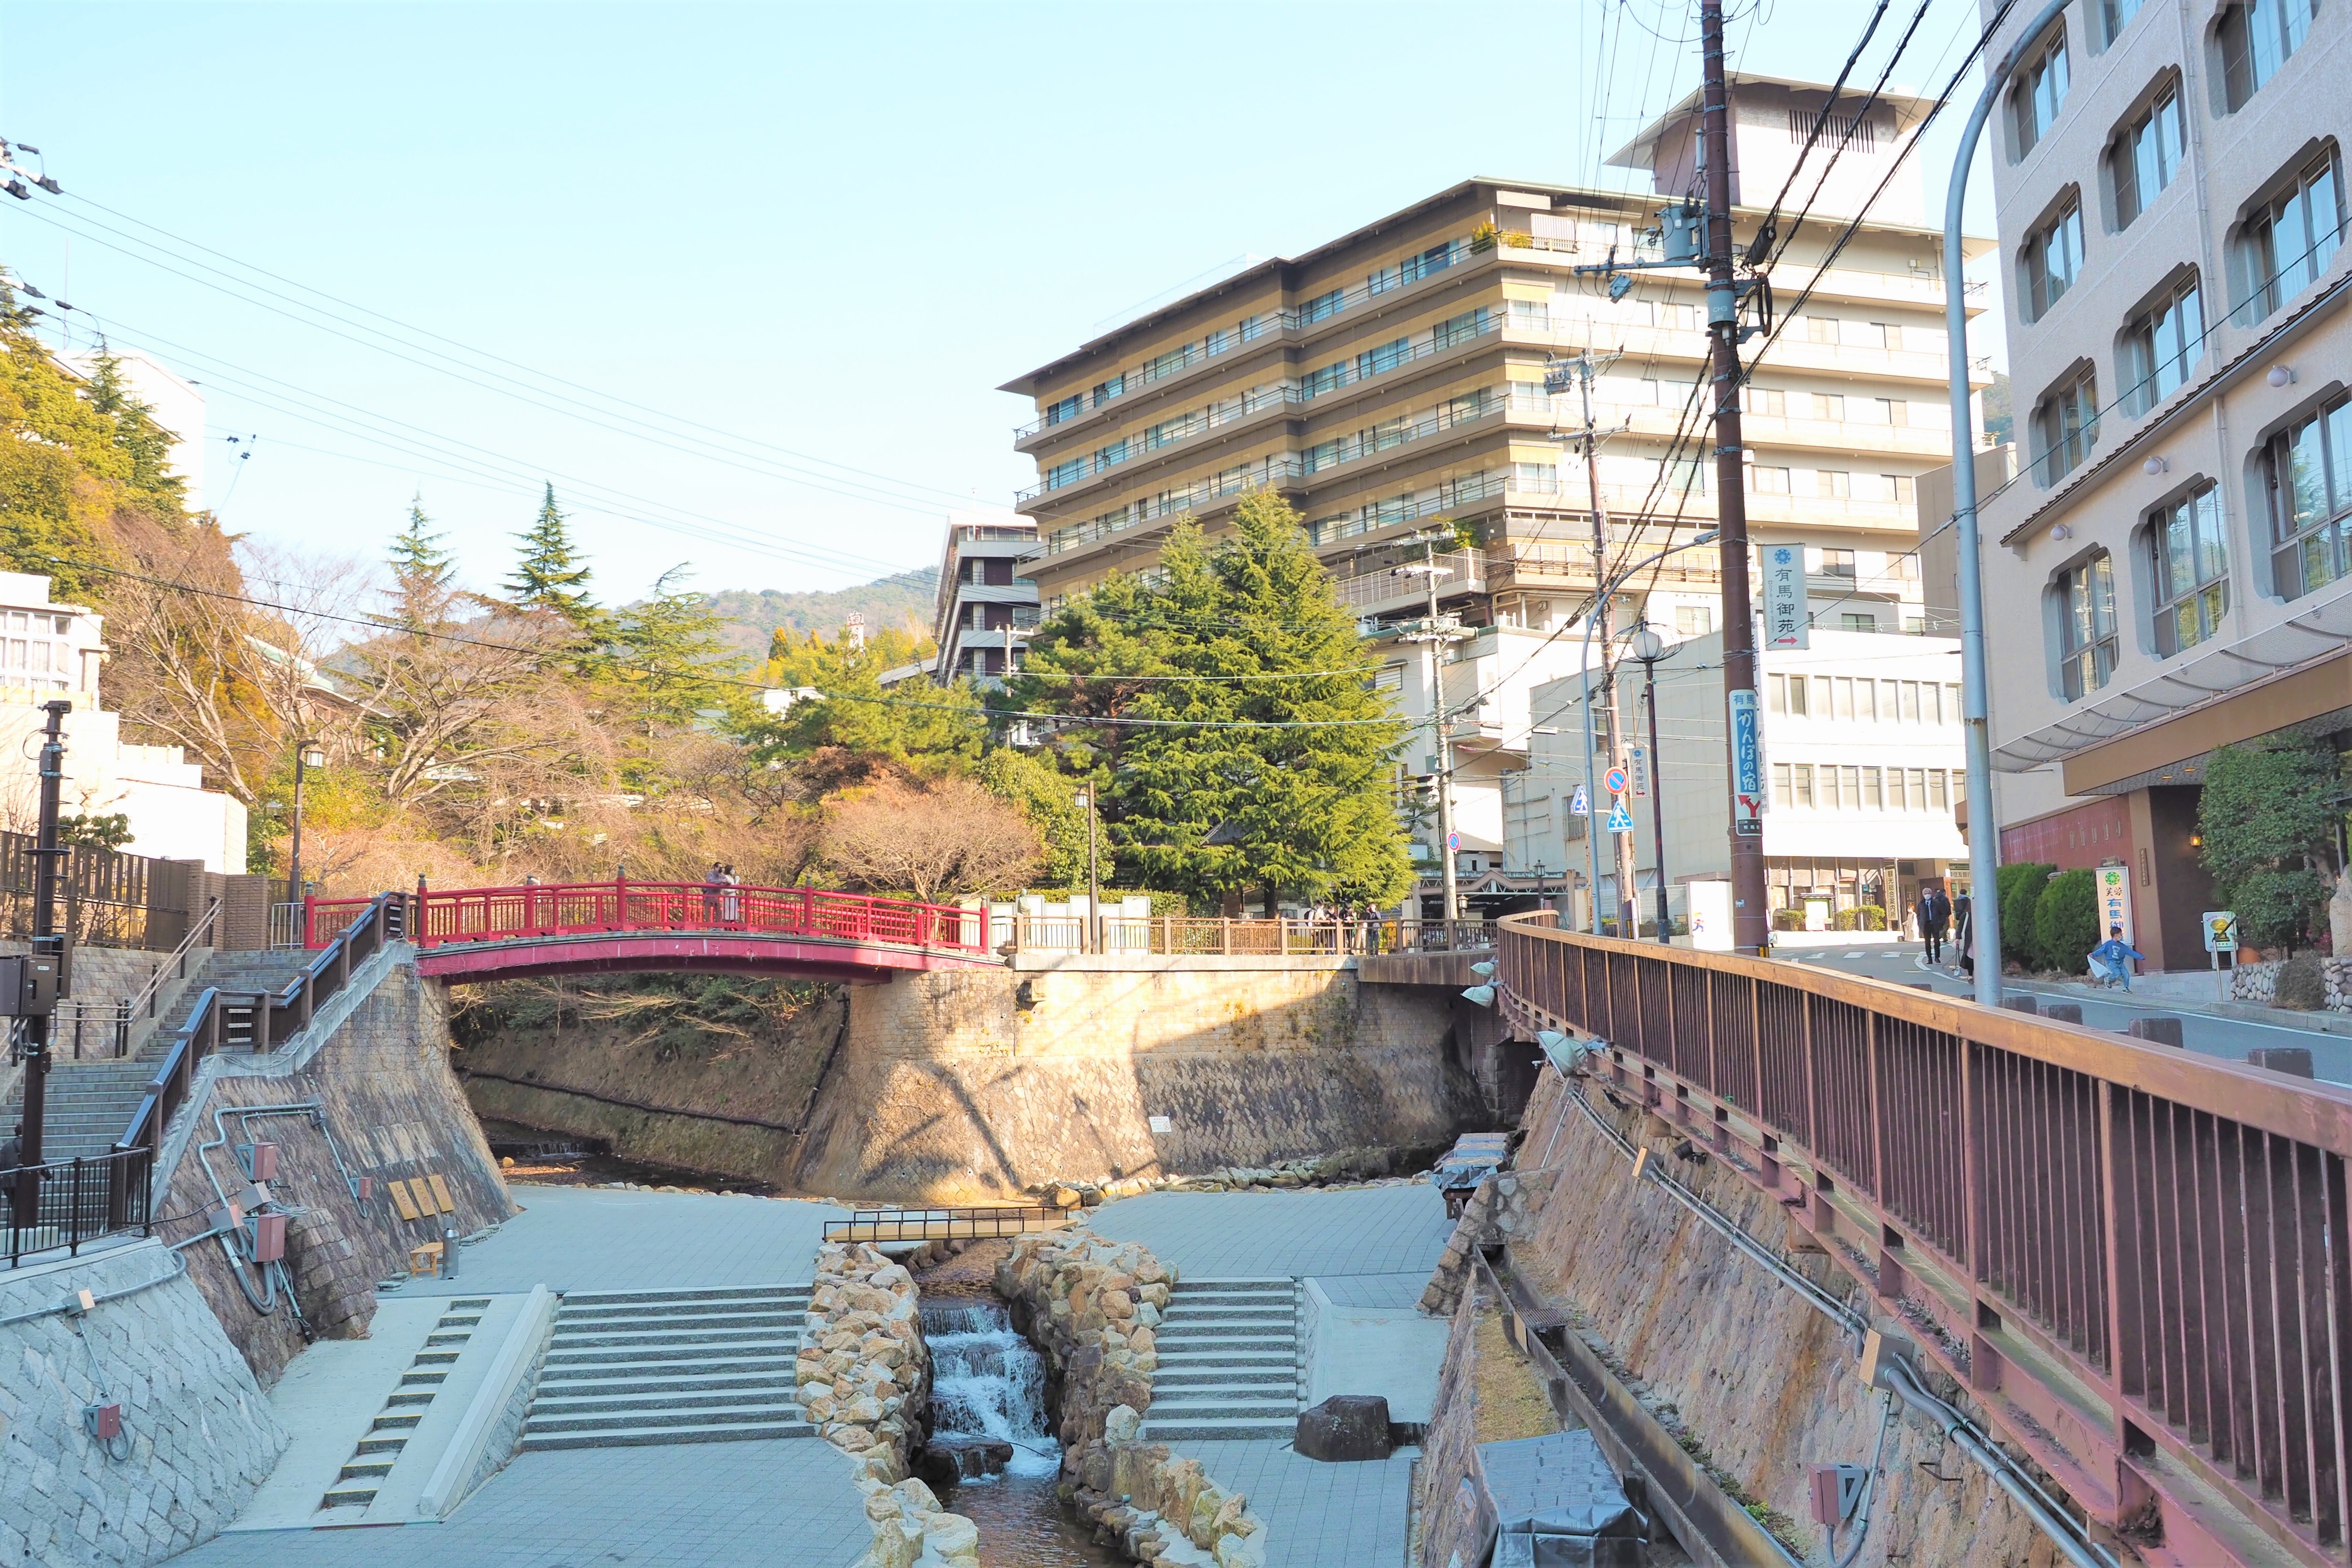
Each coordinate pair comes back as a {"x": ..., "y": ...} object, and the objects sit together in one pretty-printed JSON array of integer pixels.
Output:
[
  {"x": 261, "y": 1161},
  {"x": 28, "y": 984},
  {"x": 103, "y": 1422},
  {"x": 269, "y": 1237}
]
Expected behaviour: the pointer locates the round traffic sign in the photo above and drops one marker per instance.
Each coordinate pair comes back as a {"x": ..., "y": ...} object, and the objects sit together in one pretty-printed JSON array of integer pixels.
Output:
[
  {"x": 1615, "y": 780},
  {"x": 1454, "y": 841}
]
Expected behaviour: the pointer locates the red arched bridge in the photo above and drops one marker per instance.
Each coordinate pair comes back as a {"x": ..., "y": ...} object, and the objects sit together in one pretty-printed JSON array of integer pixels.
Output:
[{"x": 619, "y": 927}]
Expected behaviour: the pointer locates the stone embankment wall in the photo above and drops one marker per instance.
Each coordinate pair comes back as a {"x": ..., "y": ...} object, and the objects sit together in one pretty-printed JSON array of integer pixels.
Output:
[
  {"x": 197, "y": 1437},
  {"x": 392, "y": 1107},
  {"x": 711, "y": 1095},
  {"x": 972, "y": 1085},
  {"x": 1756, "y": 1384},
  {"x": 1092, "y": 1308},
  {"x": 865, "y": 1379}
]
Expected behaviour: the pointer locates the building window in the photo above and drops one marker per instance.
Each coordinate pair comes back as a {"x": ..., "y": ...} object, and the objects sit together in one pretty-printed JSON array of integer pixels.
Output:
[
  {"x": 2160, "y": 347},
  {"x": 2310, "y": 473},
  {"x": 1855, "y": 621},
  {"x": 1896, "y": 800},
  {"x": 1323, "y": 305},
  {"x": 2256, "y": 37},
  {"x": 1893, "y": 410},
  {"x": 1833, "y": 484},
  {"x": 1066, "y": 408},
  {"x": 1683, "y": 476},
  {"x": 1822, "y": 330},
  {"x": 1937, "y": 799},
  {"x": 2287, "y": 243},
  {"x": 2041, "y": 89},
  {"x": 1805, "y": 784},
  {"x": 2192, "y": 571},
  {"x": 1829, "y": 405},
  {"x": 1902, "y": 489},
  {"x": 1693, "y": 620},
  {"x": 1780, "y": 796},
  {"x": 2065, "y": 427},
  {"x": 1766, "y": 400},
  {"x": 1106, "y": 390},
  {"x": 1768, "y": 481},
  {"x": 1329, "y": 378},
  {"x": 2053, "y": 256},
  {"x": 1067, "y": 473},
  {"x": 1437, "y": 259},
  {"x": 1837, "y": 563},
  {"x": 2146, "y": 155},
  {"x": 1250, "y": 327},
  {"x": 2086, "y": 625},
  {"x": 1388, "y": 356},
  {"x": 2115, "y": 15},
  {"x": 1798, "y": 707},
  {"x": 1458, "y": 329}
]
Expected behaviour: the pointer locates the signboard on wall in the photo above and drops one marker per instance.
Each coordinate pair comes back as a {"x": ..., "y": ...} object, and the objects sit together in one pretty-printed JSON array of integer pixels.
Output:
[
  {"x": 1786, "y": 624},
  {"x": 1747, "y": 766},
  {"x": 2115, "y": 900}
]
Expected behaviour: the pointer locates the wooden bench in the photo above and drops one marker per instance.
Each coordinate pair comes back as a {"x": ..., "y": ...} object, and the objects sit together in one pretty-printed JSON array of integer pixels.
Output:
[{"x": 423, "y": 1199}]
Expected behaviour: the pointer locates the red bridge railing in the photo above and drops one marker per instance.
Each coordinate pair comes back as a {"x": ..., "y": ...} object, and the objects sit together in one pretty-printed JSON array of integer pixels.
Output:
[
  {"x": 2137, "y": 1260},
  {"x": 590, "y": 909}
]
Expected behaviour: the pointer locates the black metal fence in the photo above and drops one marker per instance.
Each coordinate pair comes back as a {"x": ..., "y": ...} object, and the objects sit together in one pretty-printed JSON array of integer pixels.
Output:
[{"x": 69, "y": 1204}]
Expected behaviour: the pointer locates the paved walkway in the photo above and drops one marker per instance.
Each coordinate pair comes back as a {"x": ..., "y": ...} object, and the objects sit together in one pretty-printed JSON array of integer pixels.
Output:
[
  {"x": 1263, "y": 1235},
  {"x": 592, "y": 1238},
  {"x": 694, "y": 1505},
  {"x": 2208, "y": 1034},
  {"x": 1317, "y": 1515}
]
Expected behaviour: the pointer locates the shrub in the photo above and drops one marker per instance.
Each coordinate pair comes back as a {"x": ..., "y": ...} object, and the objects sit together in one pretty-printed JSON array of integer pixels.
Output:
[
  {"x": 2302, "y": 985},
  {"x": 2066, "y": 922},
  {"x": 2019, "y": 886},
  {"x": 1787, "y": 920},
  {"x": 2269, "y": 815}
]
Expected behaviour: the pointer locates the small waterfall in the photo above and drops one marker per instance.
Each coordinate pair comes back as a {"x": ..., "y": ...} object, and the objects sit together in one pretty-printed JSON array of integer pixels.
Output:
[{"x": 987, "y": 1381}]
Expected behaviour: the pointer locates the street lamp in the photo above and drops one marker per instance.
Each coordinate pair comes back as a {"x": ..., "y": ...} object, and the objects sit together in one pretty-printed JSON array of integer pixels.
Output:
[
  {"x": 1649, "y": 648},
  {"x": 1602, "y": 593},
  {"x": 1984, "y": 833},
  {"x": 308, "y": 754},
  {"x": 1092, "y": 942}
]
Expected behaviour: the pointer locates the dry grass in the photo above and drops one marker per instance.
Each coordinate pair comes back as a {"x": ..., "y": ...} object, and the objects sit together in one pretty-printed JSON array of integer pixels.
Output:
[{"x": 1510, "y": 1397}]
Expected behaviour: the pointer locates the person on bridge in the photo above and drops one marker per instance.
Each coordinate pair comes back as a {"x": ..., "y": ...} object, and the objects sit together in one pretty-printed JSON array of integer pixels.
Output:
[
  {"x": 730, "y": 901},
  {"x": 2111, "y": 960},
  {"x": 711, "y": 883}
]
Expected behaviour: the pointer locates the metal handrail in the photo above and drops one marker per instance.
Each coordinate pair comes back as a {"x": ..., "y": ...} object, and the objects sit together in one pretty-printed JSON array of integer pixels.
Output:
[
  {"x": 1214, "y": 937},
  {"x": 70, "y": 1203},
  {"x": 945, "y": 1224},
  {"x": 2133, "y": 1258},
  {"x": 148, "y": 997}
]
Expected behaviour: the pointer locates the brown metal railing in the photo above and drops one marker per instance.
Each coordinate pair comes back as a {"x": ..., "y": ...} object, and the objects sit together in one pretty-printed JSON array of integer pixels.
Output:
[
  {"x": 259, "y": 1020},
  {"x": 945, "y": 1224},
  {"x": 2135, "y": 1258},
  {"x": 1211, "y": 937}
]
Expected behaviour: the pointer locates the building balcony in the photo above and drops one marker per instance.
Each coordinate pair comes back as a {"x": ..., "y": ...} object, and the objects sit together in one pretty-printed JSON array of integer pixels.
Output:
[{"x": 1388, "y": 590}]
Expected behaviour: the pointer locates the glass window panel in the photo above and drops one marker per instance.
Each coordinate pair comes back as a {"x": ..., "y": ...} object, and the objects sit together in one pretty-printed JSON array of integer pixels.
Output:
[
  {"x": 1910, "y": 702},
  {"x": 1776, "y": 687},
  {"x": 1918, "y": 789},
  {"x": 1804, "y": 784},
  {"x": 1820, "y": 697},
  {"x": 1936, "y": 800},
  {"x": 1865, "y": 700},
  {"x": 1797, "y": 705},
  {"x": 1844, "y": 697},
  {"x": 1781, "y": 783},
  {"x": 1849, "y": 795},
  {"x": 1896, "y": 800},
  {"x": 1873, "y": 792}
]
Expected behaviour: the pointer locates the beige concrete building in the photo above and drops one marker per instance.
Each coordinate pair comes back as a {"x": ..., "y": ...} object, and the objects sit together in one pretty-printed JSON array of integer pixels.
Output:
[
  {"x": 2172, "y": 568},
  {"x": 1395, "y": 377}
]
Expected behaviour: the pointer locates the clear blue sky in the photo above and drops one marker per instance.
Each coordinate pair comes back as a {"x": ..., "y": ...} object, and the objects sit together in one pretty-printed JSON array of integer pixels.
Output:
[{"x": 825, "y": 230}]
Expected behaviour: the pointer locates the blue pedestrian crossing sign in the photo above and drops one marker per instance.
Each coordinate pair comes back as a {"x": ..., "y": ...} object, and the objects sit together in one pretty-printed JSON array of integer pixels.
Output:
[
  {"x": 1620, "y": 819},
  {"x": 1580, "y": 804}
]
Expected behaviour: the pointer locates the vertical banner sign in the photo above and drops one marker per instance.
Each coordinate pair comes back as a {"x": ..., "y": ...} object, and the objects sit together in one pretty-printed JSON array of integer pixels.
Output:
[
  {"x": 2115, "y": 900},
  {"x": 1747, "y": 767},
  {"x": 1638, "y": 758},
  {"x": 1786, "y": 624}
]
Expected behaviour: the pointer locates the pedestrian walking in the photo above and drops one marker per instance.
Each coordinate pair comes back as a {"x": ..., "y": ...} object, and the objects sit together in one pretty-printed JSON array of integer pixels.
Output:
[
  {"x": 1935, "y": 920},
  {"x": 1964, "y": 939}
]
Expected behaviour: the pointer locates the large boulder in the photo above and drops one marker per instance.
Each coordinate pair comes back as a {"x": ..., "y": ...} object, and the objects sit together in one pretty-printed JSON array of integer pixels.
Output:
[{"x": 1345, "y": 1428}]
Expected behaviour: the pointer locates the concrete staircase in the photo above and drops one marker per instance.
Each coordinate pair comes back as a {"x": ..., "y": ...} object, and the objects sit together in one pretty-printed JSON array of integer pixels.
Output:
[
  {"x": 635, "y": 1367},
  {"x": 355, "y": 1486},
  {"x": 89, "y": 1102},
  {"x": 1228, "y": 1361}
]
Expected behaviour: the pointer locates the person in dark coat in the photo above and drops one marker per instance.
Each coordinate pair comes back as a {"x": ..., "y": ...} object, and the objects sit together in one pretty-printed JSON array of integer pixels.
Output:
[
  {"x": 1935, "y": 920},
  {"x": 1964, "y": 939}
]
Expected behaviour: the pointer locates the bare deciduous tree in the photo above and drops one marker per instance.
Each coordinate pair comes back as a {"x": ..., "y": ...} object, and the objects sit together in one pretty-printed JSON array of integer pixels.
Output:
[{"x": 940, "y": 842}]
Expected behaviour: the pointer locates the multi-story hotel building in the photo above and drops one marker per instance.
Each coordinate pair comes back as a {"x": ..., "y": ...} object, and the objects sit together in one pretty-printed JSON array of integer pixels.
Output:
[
  {"x": 2171, "y": 570},
  {"x": 986, "y": 606},
  {"x": 1396, "y": 376}
]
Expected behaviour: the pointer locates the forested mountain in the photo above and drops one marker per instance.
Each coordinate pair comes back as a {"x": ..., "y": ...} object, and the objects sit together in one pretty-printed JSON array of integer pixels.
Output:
[{"x": 903, "y": 600}]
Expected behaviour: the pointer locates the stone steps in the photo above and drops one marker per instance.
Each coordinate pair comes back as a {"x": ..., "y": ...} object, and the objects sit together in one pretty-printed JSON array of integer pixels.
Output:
[
  {"x": 641, "y": 1367},
  {"x": 362, "y": 1476},
  {"x": 1228, "y": 1361}
]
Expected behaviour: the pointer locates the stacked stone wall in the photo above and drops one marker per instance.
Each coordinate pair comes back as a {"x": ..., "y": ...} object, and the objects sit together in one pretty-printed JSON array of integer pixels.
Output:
[{"x": 199, "y": 1437}]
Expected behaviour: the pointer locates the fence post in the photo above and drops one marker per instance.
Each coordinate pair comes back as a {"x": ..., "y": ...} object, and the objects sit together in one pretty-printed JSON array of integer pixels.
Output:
[{"x": 1225, "y": 935}]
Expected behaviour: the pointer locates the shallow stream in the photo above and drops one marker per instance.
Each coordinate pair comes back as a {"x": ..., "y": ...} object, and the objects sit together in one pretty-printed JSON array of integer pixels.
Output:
[{"x": 987, "y": 1381}]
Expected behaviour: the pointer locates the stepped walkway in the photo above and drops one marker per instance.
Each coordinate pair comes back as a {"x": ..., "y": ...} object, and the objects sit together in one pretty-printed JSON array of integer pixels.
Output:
[
  {"x": 636, "y": 1368},
  {"x": 91, "y": 1101}
]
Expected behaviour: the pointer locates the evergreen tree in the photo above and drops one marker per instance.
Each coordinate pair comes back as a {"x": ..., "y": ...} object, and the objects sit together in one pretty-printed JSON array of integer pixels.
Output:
[
  {"x": 1288, "y": 767},
  {"x": 551, "y": 574},
  {"x": 2269, "y": 815},
  {"x": 145, "y": 445},
  {"x": 1048, "y": 799},
  {"x": 917, "y": 725},
  {"x": 424, "y": 574},
  {"x": 670, "y": 654}
]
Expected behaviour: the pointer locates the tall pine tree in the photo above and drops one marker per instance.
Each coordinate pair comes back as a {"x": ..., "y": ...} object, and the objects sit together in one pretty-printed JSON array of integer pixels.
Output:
[
  {"x": 551, "y": 574},
  {"x": 424, "y": 574},
  {"x": 1280, "y": 742}
]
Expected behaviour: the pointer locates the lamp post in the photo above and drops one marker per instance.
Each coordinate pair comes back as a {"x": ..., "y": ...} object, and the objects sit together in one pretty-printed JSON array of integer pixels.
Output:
[
  {"x": 308, "y": 754},
  {"x": 1602, "y": 594},
  {"x": 1984, "y": 833},
  {"x": 1092, "y": 942},
  {"x": 1649, "y": 648}
]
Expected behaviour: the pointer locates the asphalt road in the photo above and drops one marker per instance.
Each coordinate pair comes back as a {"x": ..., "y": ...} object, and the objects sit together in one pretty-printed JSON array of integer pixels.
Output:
[{"x": 2231, "y": 1038}]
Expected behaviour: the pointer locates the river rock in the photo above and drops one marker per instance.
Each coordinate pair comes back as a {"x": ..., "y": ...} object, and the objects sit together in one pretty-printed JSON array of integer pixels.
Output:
[{"x": 1345, "y": 1427}]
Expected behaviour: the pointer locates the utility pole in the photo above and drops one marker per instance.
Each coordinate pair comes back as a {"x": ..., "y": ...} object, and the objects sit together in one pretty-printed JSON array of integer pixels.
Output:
[
  {"x": 1649, "y": 648},
  {"x": 1629, "y": 921},
  {"x": 46, "y": 943},
  {"x": 1433, "y": 635},
  {"x": 1751, "y": 928}
]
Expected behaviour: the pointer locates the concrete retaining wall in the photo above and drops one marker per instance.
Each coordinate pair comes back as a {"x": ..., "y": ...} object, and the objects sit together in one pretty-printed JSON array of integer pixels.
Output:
[
  {"x": 973, "y": 1084},
  {"x": 199, "y": 1435}
]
